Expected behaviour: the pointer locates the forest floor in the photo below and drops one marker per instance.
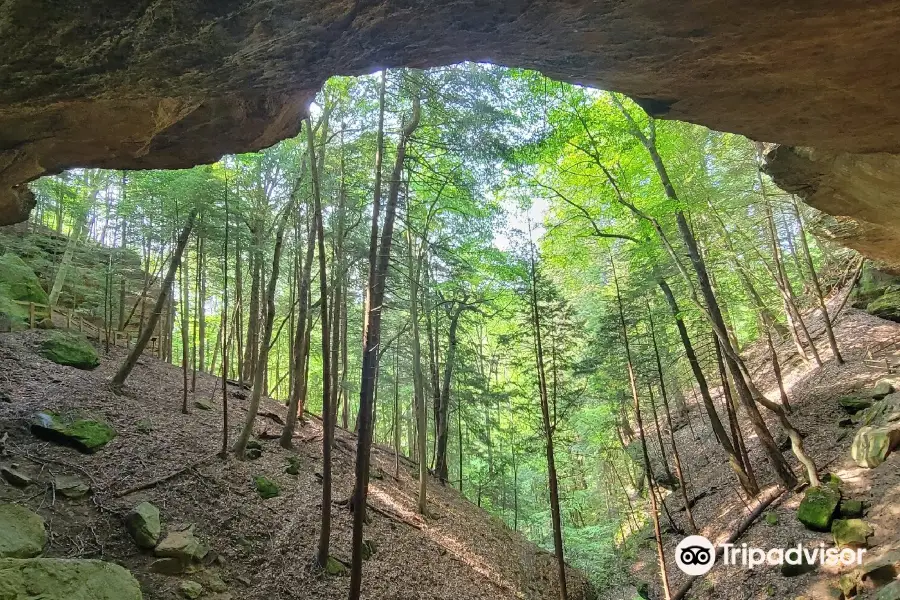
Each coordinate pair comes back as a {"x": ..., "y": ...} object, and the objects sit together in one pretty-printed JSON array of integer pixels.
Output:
[
  {"x": 260, "y": 548},
  {"x": 813, "y": 394}
]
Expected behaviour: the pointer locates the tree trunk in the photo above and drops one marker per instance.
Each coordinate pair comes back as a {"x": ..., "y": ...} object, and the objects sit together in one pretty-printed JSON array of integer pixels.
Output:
[
  {"x": 185, "y": 319},
  {"x": 442, "y": 412},
  {"x": 548, "y": 427},
  {"x": 654, "y": 509},
  {"x": 60, "y": 279},
  {"x": 259, "y": 371},
  {"x": 379, "y": 263},
  {"x": 785, "y": 282},
  {"x": 662, "y": 391},
  {"x": 832, "y": 341},
  {"x": 201, "y": 303},
  {"x": 418, "y": 375},
  {"x": 327, "y": 413},
  {"x": 125, "y": 370}
]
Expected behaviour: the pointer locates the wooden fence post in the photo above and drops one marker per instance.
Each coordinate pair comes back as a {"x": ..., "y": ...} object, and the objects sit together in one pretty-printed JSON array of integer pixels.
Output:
[{"x": 31, "y": 314}]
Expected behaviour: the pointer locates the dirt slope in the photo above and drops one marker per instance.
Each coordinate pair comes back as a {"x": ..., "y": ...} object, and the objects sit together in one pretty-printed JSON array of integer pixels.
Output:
[
  {"x": 264, "y": 546},
  {"x": 813, "y": 393}
]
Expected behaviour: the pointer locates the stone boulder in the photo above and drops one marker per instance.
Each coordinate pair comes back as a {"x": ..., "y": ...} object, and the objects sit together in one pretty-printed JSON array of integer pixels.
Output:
[
  {"x": 181, "y": 545},
  {"x": 854, "y": 404},
  {"x": 71, "y": 487},
  {"x": 889, "y": 592},
  {"x": 22, "y": 533},
  {"x": 872, "y": 445},
  {"x": 851, "y": 509},
  {"x": 882, "y": 388},
  {"x": 85, "y": 435},
  {"x": 18, "y": 283},
  {"x": 143, "y": 525},
  {"x": 15, "y": 477},
  {"x": 70, "y": 349},
  {"x": 873, "y": 574},
  {"x": 886, "y": 307},
  {"x": 336, "y": 566},
  {"x": 851, "y": 533},
  {"x": 266, "y": 488},
  {"x": 818, "y": 507},
  {"x": 65, "y": 579},
  {"x": 190, "y": 590}
]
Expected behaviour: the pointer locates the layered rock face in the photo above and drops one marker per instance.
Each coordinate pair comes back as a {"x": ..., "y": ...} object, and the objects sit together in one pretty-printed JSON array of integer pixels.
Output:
[{"x": 173, "y": 83}]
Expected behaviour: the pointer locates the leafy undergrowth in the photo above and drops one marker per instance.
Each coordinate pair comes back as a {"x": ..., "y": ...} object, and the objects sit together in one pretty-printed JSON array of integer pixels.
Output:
[
  {"x": 264, "y": 546},
  {"x": 813, "y": 393}
]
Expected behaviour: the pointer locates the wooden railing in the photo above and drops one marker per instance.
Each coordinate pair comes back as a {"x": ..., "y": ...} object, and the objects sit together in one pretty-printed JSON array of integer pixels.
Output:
[
  {"x": 884, "y": 355},
  {"x": 76, "y": 321}
]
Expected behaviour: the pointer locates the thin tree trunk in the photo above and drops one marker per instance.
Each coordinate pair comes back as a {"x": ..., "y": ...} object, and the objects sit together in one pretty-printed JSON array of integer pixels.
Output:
[
  {"x": 832, "y": 341},
  {"x": 259, "y": 371},
  {"x": 224, "y": 334},
  {"x": 442, "y": 412},
  {"x": 734, "y": 459},
  {"x": 327, "y": 414},
  {"x": 379, "y": 262},
  {"x": 125, "y": 370},
  {"x": 418, "y": 375},
  {"x": 662, "y": 390},
  {"x": 60, "y": 279},
  {"x": 548, "y": 427},
  {"x": 776, "y": 369},
  {"x": 185, "y": 319},
  {"x": 654, "y": 509},
  {"x": 784, "y": 280}
]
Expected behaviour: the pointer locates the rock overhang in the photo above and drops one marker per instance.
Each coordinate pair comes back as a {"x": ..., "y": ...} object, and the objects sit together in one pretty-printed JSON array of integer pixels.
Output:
[{"x": 172, "y": 83}]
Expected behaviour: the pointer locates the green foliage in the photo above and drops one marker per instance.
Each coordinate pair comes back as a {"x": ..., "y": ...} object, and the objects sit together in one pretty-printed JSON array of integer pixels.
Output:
[{"x": 505, "y": 166}]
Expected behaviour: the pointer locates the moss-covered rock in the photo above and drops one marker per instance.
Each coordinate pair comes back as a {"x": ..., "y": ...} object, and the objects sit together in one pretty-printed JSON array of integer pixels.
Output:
[
  {"x": 19, "y": 282},
  {"x": 64, "y": 579},
  {"x": 889, "y": 592},
  {"x": 70, "y": 349},
  {"x": 851, "y": 533},
  {"x": 182, "y": 545},
  {"x": 265, "y": 487},
  {"x": 872, "y": 445},
  {"x": 771, "y": 518},
  {"x": 887, "y": 306},
  {"x": 818, "y": 507},
  {"x": 190, "y": 590},
  {"x": 369, "y": 548},
  {"x": 22, "y": 533},
  {"x": 143, "y": 525},
  {"x": 85, "y": 435},
  {"x": 854, "y": 404},
  {"x": 335, "y": 567},
  {"x": 851, "y": 509},
  {"x": 832, "y": 481},
  {"x": 293, "y": 466}
]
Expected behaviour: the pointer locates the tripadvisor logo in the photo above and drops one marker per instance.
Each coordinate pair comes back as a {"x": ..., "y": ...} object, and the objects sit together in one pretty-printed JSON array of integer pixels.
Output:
[{"x": 696, "y": 555}]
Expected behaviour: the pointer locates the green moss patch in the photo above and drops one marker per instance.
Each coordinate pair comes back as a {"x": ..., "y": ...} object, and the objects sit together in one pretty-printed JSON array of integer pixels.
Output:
[
  {"x": 886, "y": 307},
  {"x": 69, "y": 349},
  {"x": 64, "y": 579},
  {"x": 265, "y": 487},
  {"x": 18, "y": 281},
  {"x": 818, "y": 507},
  {"x": 85, "y": 435}
]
